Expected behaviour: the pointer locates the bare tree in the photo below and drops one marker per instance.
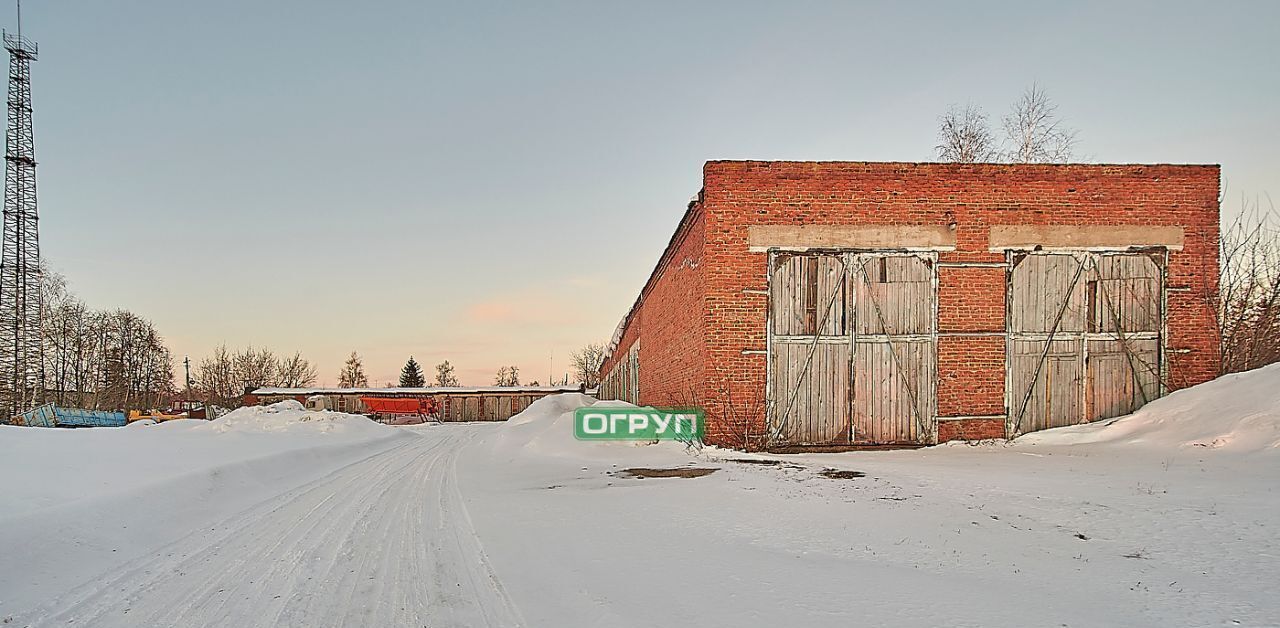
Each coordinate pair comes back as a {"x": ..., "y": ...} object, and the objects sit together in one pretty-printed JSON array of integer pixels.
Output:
[
  {"x": 256, "y": 367},
  {"x": 218, "y": 380},
  {"x": 1248, "y": 299},
  {"x": 114, "y": 360},
  {"x": 295, "y": 372},
  {"x": 507, "y": 376},
  {"x": 223, "y": 376},
  {"x": 585, "y": 363},
  {"x": 352, "y": 374},
  {"x": 964, "y": 136},
  {"x": 1034, "y": 132},
  {"x": 445, "y": 376},
  {"x": 64, "y": 317}
]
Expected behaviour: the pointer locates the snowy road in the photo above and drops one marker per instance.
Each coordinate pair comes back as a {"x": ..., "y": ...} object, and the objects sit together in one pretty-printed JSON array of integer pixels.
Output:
[{"x": 385, "y": 541}]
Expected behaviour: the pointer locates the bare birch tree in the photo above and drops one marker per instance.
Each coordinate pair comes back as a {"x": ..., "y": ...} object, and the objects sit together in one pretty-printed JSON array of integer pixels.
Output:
[
  {"x": 1034, "y": 132},
  {"x": 964, "y": 136},
  {"x": 101, "y": 360}
]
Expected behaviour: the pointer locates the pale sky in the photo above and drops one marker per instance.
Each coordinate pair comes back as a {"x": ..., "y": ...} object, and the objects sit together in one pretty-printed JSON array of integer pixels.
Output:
[{"x": 491, "y": 183}]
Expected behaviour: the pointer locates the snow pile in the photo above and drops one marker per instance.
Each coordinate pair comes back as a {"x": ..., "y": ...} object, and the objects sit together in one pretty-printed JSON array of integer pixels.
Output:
[
  {"x": 546, "y": 428},
  {"x": 289, "y": 415},
  {"x": 1239, "y": 412}
]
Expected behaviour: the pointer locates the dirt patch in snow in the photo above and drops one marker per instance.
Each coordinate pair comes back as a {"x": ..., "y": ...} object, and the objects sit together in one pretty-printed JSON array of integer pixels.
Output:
[
  {"x": 677, "y": 472},
  {"x": 841, "y": 474}
]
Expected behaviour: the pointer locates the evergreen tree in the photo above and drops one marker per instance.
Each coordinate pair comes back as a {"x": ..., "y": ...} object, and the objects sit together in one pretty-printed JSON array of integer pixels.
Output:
[
  {"x": 411, "y": 375},
  {"x": 352, "y": 374},
  {"x": 444, "y": 374}
]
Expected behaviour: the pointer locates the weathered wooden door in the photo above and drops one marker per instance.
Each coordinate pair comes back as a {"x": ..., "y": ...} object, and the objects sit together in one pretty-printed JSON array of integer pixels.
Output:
[
  {"x": 852, "y": 349},
  {"x": 1123, "y": 350},
  {"x": 894, "y": 351},
  {"x": 1084, "y": 337},
  {"x": 1045, "y": 349},
  {"x": 809, "y": 349}
]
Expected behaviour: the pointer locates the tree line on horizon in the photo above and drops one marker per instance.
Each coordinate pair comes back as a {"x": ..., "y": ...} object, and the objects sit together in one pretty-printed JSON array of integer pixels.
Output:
[
  {"x": 352, "y": 374},
  {"x": 118, "y": 360},
  {"x": 100, "y": 359},
  {"x": 584, "y": 364}
]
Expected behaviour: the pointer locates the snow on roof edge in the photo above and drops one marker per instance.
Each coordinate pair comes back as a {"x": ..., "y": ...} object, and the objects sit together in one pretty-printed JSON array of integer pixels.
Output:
[{"x": 426, "y": 390}]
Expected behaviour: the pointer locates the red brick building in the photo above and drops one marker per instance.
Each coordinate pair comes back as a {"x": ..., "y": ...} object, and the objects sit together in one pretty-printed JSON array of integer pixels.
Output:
[{"x": 855, "y": 303}]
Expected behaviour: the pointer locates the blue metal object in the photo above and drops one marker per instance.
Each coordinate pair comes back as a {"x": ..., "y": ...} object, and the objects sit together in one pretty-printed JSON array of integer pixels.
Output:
[
  {"x": 75, "y": 417},
  {"x": 40, "y": 416},
  {"x": 49, "y": 415}
]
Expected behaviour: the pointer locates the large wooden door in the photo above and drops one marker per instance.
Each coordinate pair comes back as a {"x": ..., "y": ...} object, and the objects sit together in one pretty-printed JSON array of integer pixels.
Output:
[
  {"x": 852, "y": 349},
  {"x": 1045, "y": 353},
  {"x": 1084, "y": 337},
  {"x": 894, "y": 349},
  {"x": 1126, "y": 318},
  {"x": 809, "y": 350}
]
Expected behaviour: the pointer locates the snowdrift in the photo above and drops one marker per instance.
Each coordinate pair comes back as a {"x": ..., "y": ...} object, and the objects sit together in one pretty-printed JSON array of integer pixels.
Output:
[
  {"x": 1238, "y": 413},
  {"x": 289, "y": 415},
  {"x": 545, "y": 428},
  {"x": 47, "y": 467},
  {"x": 77, "y": 503}
]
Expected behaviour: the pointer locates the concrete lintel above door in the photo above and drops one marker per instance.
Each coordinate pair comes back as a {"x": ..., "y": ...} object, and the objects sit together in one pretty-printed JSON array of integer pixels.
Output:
[
  {"x": 1084, "y": 238},
  {"x": 761, "y": 238}
]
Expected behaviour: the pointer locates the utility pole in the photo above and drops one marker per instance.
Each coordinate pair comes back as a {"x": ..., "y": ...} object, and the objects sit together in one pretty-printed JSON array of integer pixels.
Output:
[{"x": 186, "y": 364}]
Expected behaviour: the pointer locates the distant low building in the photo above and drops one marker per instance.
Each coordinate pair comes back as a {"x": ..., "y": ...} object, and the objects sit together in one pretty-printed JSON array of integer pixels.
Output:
[{"x": 449, "y": 403}]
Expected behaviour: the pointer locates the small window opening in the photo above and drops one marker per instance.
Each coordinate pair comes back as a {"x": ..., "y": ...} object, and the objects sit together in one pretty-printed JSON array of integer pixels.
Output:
[{"x": 811, "y": 295}]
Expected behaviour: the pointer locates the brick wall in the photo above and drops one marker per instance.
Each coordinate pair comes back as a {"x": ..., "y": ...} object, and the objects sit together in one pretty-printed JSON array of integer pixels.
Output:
[
  {"x": 970, "y": 376},
  {"x": 971, "y": 298},
  {"x": 672, "y": 354},
  {"x": 728, "y": 341},
  {"x": 669, "y": 317}
]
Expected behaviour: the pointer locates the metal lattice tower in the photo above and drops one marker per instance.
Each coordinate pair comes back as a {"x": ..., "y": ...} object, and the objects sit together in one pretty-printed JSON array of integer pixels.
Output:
[{"x": 21, "y": 357}]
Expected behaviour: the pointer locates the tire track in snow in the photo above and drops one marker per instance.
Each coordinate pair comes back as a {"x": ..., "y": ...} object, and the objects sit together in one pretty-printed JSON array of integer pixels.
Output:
[{"x": 383, "y": 541}]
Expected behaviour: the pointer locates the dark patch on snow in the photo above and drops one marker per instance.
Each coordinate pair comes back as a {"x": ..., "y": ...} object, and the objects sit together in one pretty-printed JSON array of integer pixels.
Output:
[
  {"x": 685, "y": 472},
  {"x": 841, "y": 474}
]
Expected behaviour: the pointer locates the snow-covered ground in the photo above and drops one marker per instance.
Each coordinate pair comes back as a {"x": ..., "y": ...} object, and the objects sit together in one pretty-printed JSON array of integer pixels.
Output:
[{"x": 281, "y": 516}]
